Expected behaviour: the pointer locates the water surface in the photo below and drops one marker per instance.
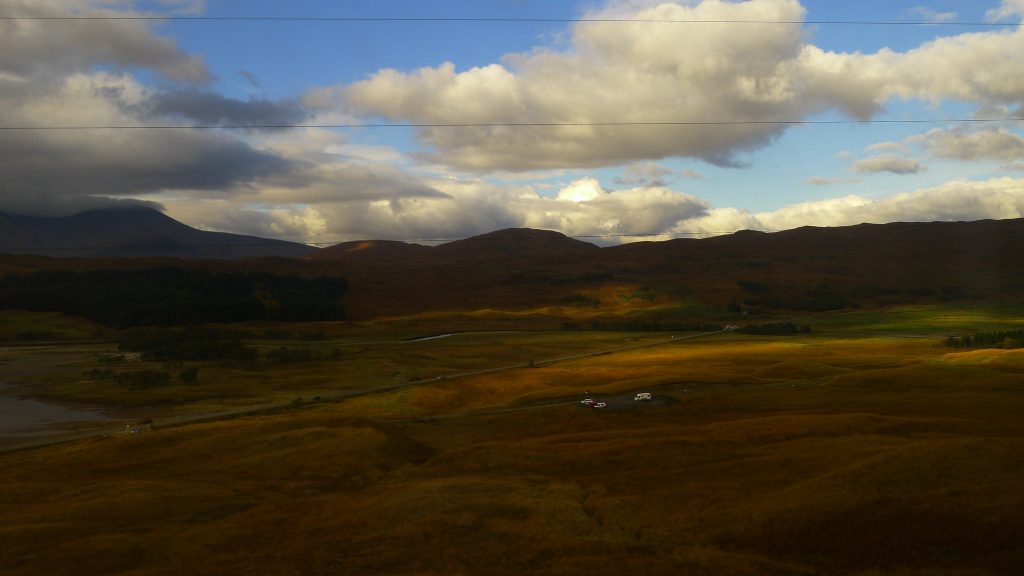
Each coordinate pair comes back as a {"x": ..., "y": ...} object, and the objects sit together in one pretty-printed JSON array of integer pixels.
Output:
[{"x": 26, "y": 418}]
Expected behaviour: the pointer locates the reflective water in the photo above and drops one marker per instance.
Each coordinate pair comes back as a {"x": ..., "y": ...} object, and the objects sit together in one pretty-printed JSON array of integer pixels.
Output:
[{"x": 21, "y": 417}]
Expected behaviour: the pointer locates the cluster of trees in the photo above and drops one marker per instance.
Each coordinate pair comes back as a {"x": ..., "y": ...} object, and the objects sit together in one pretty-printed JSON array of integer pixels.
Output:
[
  {"x": 819, "y": 299},
  {"x": 581, "y": 300},
  {"x": 192, "y": 343},
  {"x": 644, "y": 326},
  {"x": 288, "y": 355},
  {"x": 175, "y": 296},
  {"x": 644, "y": 294},
  {"x": 175, "y": 345},
  {"x": 1006, "y": 339},
  {"x": 775, "y": 328},
  {"x": 142, "y": 378}
]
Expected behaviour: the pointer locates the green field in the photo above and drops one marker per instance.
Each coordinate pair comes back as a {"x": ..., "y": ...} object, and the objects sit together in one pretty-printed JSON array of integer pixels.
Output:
[{"x": 925, "y": 319}]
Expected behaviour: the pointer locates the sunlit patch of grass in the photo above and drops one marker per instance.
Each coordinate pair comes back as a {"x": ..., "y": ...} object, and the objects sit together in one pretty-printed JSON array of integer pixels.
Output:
[
  {"x": 930, "y": 318},
  {"x": 1000, "y": 359}
]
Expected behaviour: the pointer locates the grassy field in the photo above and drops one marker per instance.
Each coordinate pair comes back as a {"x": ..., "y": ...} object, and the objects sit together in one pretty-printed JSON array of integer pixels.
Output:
[
  {"x": 928, "y": 319},
  {"x": 21, "y": 326},
  {"x": 817, "y": 454},
  {"x": 66, "y": 373}
]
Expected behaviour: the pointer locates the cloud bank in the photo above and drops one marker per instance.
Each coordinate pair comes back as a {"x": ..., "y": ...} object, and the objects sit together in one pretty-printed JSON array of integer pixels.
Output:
[
  {"x": 317, "y": 185},
  {"x": 648, "y": 72}
]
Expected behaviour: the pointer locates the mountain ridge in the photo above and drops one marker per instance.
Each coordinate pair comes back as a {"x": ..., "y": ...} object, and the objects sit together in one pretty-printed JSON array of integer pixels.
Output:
[
  {"x": 131, "y": 232},
  {"x": 806, "y": 269}
]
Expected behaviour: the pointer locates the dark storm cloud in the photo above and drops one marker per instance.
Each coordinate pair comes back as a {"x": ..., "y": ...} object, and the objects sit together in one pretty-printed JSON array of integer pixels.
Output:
[
  {"x": 63, "y": 73},
  {"x": 211, "y": 109},
  {"x": 30, "y": 204},
  {"x": 51, "y": 173}
]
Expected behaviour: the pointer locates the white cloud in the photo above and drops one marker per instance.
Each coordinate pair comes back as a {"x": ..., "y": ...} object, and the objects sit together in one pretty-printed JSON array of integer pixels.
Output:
[
  {"x": 1007, "y": 10},
  {"x": 898, "y": 147},
  {"x": 891, "y": 163},
  {"x": 958, "y": 200},
  {"x": 654, "y": 174},
  {"x": 998, "y": 198},
  {"x": 467, "y": 207},
  {"x": 614, "y": 72},
  {"x": 643, "y": 72},
  {"x": 32, "y": 47},
  {"x": 979, "y": 67},
  {"x": 82, "y": 78},
  {"x": 997, "y": 144},
  {"x": 583, "y": 207},
  {"x": 932, "y": 16},
  {"x": 582, "y": 190}
]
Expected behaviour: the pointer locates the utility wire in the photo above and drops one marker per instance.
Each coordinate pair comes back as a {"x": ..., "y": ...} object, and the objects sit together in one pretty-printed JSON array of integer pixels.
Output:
[
  {"x": 509, "y": 124},
  {"x": 179, "y": 18}
]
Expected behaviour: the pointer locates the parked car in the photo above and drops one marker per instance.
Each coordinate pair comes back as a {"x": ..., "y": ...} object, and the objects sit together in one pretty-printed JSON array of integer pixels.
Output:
[{"x": 643, "y": 397}]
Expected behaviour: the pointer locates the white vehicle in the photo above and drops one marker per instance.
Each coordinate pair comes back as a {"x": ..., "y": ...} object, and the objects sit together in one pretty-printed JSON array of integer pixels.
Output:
[
  {"x": 598, "y": 405},
  {"x": 643, "y": 397},
  {"x": 587, "y": 401}
]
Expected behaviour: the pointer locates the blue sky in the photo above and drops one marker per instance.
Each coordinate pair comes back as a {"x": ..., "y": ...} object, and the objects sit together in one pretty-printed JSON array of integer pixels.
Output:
[{"x": 323, "y": 185}]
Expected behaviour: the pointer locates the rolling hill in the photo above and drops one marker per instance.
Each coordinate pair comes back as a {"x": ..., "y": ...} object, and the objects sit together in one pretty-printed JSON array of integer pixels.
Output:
[
  {"x": 523, "y": 271},
  {"x": 808, "y": 269}
]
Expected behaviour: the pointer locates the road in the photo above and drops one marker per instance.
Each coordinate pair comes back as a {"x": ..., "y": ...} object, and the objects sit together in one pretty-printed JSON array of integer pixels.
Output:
[
  {"x": 349, "y": 394},
  {"x": 346, "y": 395}
]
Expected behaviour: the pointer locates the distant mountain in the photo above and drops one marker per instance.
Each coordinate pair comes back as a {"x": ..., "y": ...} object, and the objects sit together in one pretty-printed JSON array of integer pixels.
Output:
[
  {"x": 371, "y": 250},
  {"x": 131, "y": 232},
  {"x": 499, "y": 246},
  {"x": 515, "y": 243},
  {"x": 802, "y": 270}
]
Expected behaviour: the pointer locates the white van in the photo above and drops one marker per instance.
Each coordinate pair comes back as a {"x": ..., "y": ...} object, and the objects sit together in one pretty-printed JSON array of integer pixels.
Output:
[{"x": 643, "y": 397}]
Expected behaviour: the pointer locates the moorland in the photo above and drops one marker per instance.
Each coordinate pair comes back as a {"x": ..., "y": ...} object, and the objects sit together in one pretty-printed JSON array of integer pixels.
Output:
[{"x": 824, "y": 401}]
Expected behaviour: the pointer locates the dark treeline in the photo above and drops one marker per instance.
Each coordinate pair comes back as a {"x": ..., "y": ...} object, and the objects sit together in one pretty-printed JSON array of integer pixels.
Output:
[
  {"x": 175, "y": 296},
  {"x": 644, "y": 326},
  {"x": 775, "y": 328},
  {"x": 1007, "y": 339},
  {"x": 193, "y": 343}
]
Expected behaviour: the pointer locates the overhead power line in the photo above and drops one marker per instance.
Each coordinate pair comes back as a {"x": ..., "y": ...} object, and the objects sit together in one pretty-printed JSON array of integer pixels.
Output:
[
  {"x": 509, "y": 124},
  {"x": 384, "y": 19}
]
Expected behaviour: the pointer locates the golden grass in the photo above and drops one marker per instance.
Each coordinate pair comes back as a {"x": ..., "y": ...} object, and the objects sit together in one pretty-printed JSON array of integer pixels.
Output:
[{"x": 814, "y": 455}]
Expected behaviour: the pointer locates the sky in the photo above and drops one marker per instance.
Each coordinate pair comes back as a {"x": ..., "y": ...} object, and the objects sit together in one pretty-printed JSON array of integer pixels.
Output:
[{"x": 809, "y": 119}]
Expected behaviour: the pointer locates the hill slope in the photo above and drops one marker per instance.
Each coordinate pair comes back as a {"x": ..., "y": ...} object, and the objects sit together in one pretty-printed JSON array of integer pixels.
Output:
[
  {"x": 136, "y": 232},
  {"x": 371, "y": 250},
  {"x": 800, "y": 271},
  {"x": 515, "y": 243},
  {"x": 806, "y": 269}
]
